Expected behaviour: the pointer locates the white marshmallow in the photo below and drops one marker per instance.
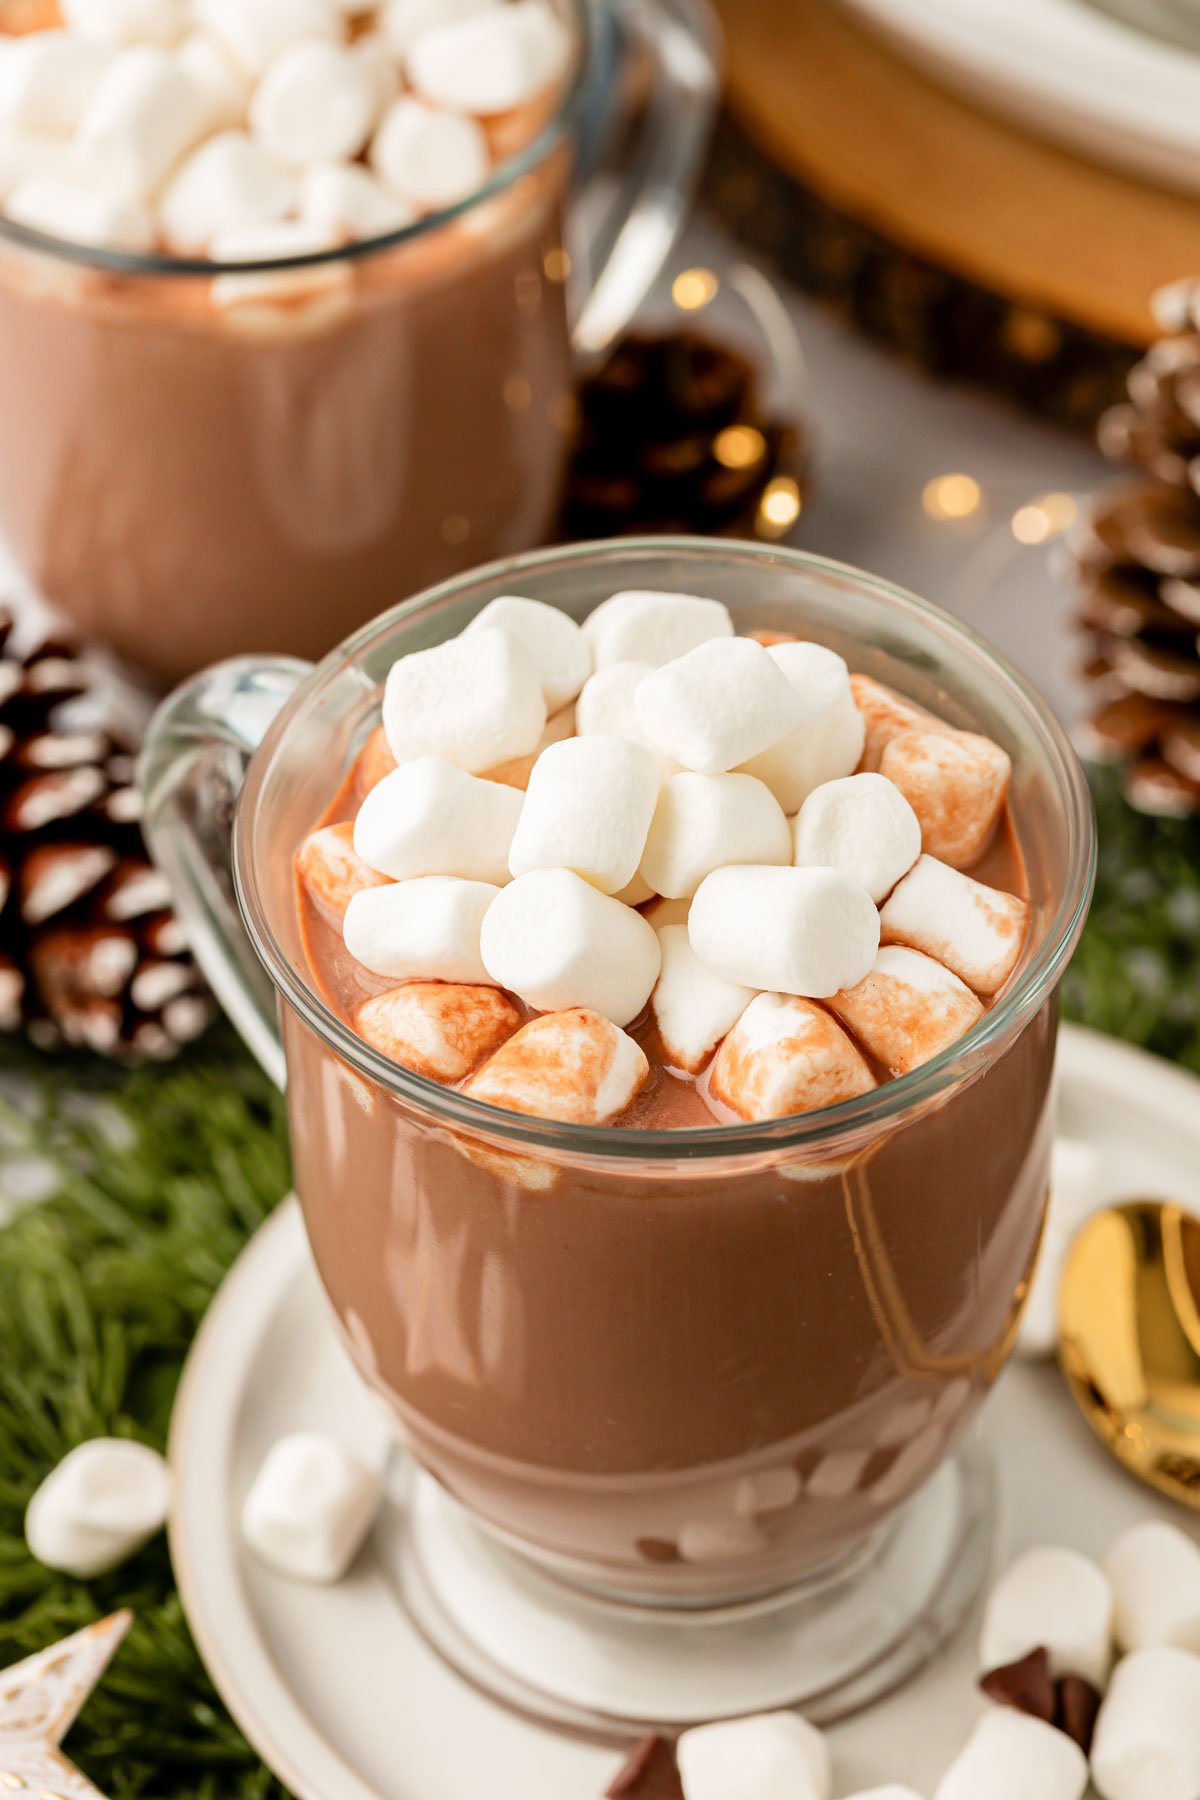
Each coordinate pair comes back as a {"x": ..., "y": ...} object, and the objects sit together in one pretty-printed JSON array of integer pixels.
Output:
[
  {"x": 792, "y": 931},
  {"x": 607, "y": 704},
  {"x": 146, "y": 112},
  {"x": 47, "y": 80},
  {"x": 558, "y": 942},
  {"x": 316, "y": 102},
  {"x": 225, "y": 87},
  {"x": 774, "y": 1756},
  {"x": 885, "y": 714},
  {"x": 475, "y": 700},
  {"x": 977, "y": 931},
  {"x": 638, "y": 625},
  {"x": 423, "y": 929},
  {"x": 402, "y": 22},
  {"x": 1010, "y": 1756},
  {"x": 702, "y": 822},
  {"x": 956, "y": 783},
  {"x": 67, "y": 209},
  {"x": 827, "y": 742},
  {"x": 105, "y": 1499},
  {"x": 1054, "y": 1600},
  {"x": 693, "y": 1008},
  {"x": 440, "y": 1029},
  {"x": 346, "y": 200},
  {"x": 716, "y": 706},
  {"x": 310, "y": 1507},
  {"x": 126, "y": 21},
  {"x": 863, "y": 825},
  {"x": 255, "y": 31},
  {"x": 227, "y": 184},
  {"x": 1154, "y": 1569},
  {"x": 1147, "y": 1743},
  {"x": 573, "y": 1066},
  {"x": 331, "y": 871},
  {"x": 891, "y": 1790},
  {"x": 26, "y": 155},
  {"x": 1075, "y": 1194},
  {"x": 277, "y": 242},
  {"x": 375, "y": 53},
  {"x": 429, "y": 818},
  {"x": 907, "y": 1010},
  {"x": 429, "y": 159},
  {"x": 786, "y": 1056},
  {"x": 492, "y": 61},
  {"x": 561, "y": 653},
  {"x": 588, "y": 808}
]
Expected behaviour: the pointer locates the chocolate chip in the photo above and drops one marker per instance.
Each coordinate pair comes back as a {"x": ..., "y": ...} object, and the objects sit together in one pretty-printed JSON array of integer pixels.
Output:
[
  {"x": 1078, "y": 1705},
  {"x": 1026, "y": 1685},
  {"x": 649, "y": 1773}
]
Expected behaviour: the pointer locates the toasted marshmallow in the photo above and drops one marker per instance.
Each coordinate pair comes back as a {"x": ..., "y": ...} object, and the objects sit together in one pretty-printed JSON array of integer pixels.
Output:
[
  {"x": 345, "y": 200},
  {"x": 515, "y": 772},
  {"x": 1076, "y": 1191},
  {"x": 885, "y": 714},
  {"x": 429, "y": 159},
  {"x": 310, "y": 1507},
  {"x": 702, "y": 822},
  {"x": 560, "y": 651},
  {"x": 1147, "y": 1744},
  {"x": 1154, "y": 1572},
  {"x": 224, "y": 86},
  {"x": 256, "y": 31},
  {"x": 475, "y": 701},
  {"x": 402, "y": 22},
  {"x": 646, "y": 627},
  {"x": 907, "y": 1010},
  {"x": 1054, "y": 1600},
  {"x": 693, "y": 1008},
  {"x": 146, "y": 112},
  {"x": 574, "y": 1066},
  {"x": 862, "y": 825},
  {"x": 423, "y": 929},
  {"x": 975, "y": 930},
  {"x": 606, "y": 704},
  {"x": 491, "y": 61},
  {"x": 62, "y": 207},
  {"x": 956, "y": 784},
  {"x": 786, "y": 1056},
  {"x": 316, "y": 102},
  {"x": 279, "y": 241},
  {"x": 429, "y": 818},
  {"x": 588, "y": 808},
  {"x": 792, "y": 931},
  {"x": 774, "y": 1756},
  {"x": 48, "y": 79},
  {"x": 125, "y": 21},
  {"x": 331, "y": 871},
  {"x": 719, "y": 704},
  {"x": 102, "y": 1503},
  {"x": 827, "y": 742},
  {"x": 1010, "y": 1756},
  {"x": 440, "y": 1029},
  {"x": 228, "y": 183},
  {"x": 558, "y": 942}
]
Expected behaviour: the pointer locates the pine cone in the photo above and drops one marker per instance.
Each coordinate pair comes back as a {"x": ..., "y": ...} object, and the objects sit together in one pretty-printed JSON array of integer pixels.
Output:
[{"x": 90, "y": 952}]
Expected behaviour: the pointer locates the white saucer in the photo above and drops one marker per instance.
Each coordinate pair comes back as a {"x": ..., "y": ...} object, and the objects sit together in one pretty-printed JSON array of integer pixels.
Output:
[{"x": 336, "y": 1688}]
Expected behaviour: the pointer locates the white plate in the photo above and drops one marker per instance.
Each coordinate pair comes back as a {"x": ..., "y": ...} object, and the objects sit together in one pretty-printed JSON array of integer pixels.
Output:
[
  {"x": 1064, "y": 70},
  {"x": 345, "y": 1701}
]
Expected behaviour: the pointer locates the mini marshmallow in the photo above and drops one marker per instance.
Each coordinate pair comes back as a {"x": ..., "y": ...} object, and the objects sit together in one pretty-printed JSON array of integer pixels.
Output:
[
  {"x": 558, "y": 942},
  {"x": 228, "y": 183},
  {"x": 719, "y": 704},
  {"x": 224, "y": 87},
  {"x": 146, "y": 113},
  {"x": 475, "y": 700},
  {"x": 256, "y": 31},
  {"x": 786, "y": 1056},
  {"x": 976, "y": 931},
  {"x": 560, "y": 651},
  {"x": 907, "y": 1009},
  {"x": 310, "y": 1507},
  {"x": 646, "y": 627},
  {"x": 331, "y": 871},
  {"x": 402, "y": 22},
  {"x": 1075, "y": 1194},
  {"x": 429, "y": 818},
  {"x": 702, "y": 822},
  {"x": 48, "y": 79},
  {"x": 885, "y": 714},
  {"x": 791, "y": 931},
  {"x": 588, "y": 808},
  {"x": 440, "y": 1029},
  {"x": 429, "y": 159},
  {"x": 279, "y": 241},
  {"x": 773, "y": 1756},
  {"x": 1055, "y": 1600},
  {"x": 27, "y": 155},
  {"x": 956, "y": 784},
  {"x": 574, "y": 1066},
  {"x": 606, "y": 704},
  {"x": 105, "y": 1500},
  {"x": 423, "y": 929},
  {"x": 1147, "y": 1742},
  {"x": 491, "y": 61},
  {"x": 316, "y": 102},
  {"x": 863, "y": 825},
  {"x": 827, "y": 742},
  {"x": 693, "y": 1008},
  {"x": 64, "y": 208},
  {"x": 125, "y": 21},
  {"x": 1010, "y": 1756},
  {"x": 346, "y": 200},
  {"x": 1154, "y": 1570}
]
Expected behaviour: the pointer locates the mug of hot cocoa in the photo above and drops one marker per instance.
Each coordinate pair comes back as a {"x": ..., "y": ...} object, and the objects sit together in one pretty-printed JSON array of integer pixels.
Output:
[
  {"x": 288, "y": 318},
  {"x": 660, "y": 945}
]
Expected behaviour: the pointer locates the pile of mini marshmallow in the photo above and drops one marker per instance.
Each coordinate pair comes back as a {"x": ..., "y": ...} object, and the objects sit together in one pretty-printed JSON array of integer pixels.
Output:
[
  {"x": 649, "y": 809},
  {"x": 249, "y": 130}
]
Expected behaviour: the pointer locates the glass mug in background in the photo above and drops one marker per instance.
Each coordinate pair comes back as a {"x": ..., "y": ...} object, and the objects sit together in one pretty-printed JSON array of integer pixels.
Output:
[
  {"x": 187, "y": 481},
  {"x": 688, "y": 1370}
]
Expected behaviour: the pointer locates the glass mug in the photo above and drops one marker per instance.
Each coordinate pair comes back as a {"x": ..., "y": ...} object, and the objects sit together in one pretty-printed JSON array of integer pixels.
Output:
[
  {"x": 188, "y": 482},
  {"x": 693, "y": 1369}
]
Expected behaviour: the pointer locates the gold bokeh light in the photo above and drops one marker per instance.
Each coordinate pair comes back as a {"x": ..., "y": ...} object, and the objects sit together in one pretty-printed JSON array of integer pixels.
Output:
[
  {"x": 1044, "y": 519},
  {"x": 780, "y": 506},
  {"x": 739, "y": 446},
  {"x": 954, "y": 496},
  {"x": 694, "y": 288}
]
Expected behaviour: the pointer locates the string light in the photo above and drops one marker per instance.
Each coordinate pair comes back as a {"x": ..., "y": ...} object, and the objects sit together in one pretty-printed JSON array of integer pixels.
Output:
[
  {"x": 739, "y": 446},
  {"x": 779, "y": 507},
  {"x": 1044, "y": 519},
  {"x": 951, "y": 497},
  {"x": 694, "y": 288}
]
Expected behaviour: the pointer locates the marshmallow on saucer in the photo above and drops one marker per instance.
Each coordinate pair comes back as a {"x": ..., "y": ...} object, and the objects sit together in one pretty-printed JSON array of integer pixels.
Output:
[
  {"x": 976, "y": 931},
  {"x": 65, "y": 208},
  {"x": 316, "y": 102},
  {"x": 863, "y": 825},
  {"x": 427, "y": 158},
  {"x": 105, "y": 1499},
  {"x": 331, "y": 871},
  {"x": 956, "y": 783},
  {"x": 1055, "y": 1600},
  {"x": 256, "y": 31},
  {"x": 558, "y": 942},
  {"x": 125, "y": 21},
  {"x": 827, "y": 742},
  {"x": 429, "y": 818},
  {"x": 717, "y": 705},
  {"x": 703, "y": 822},
  {"x": 347, "y": 201},
  {"x": 561, "y": 653},
  {"x": 1010, "y": 1756},
  {"x": 491, "y": 61},
  {"x": 439, "y": 1029},
  {"x": 423, "y": 929},
  {"x": 310, "y": 1507},
  {"x": 224, "y": 185},
  {"x": 1147, "y": 1742},
  {"x": 402, "y": 22},
  {"x": 693, "y": 1008},
  {"x": 792, "y": 931},
  {"x": 475, "y": 700},
  {"x": 606, "y": 704},
  {"x": 588, "y": 808},
  {"x": 146, "y": 112},
  {"x": 773, "y": 1756},
  {"x": 1154, "y": 1570},
  {"x": 885, "y": 714},
  {"x": 907, "y": 1009},
  {"x": 47, "y": 80},
  {"x": 574, "y": 1066},
  {"x": 642, "y": 626},
  {"x": 786, "y": 1056},
  {"x": 1075, "y": 1194}
]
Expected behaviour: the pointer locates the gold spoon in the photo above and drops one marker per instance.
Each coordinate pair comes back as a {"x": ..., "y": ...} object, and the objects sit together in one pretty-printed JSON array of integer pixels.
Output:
[{"x": 1129, "y": 1339}]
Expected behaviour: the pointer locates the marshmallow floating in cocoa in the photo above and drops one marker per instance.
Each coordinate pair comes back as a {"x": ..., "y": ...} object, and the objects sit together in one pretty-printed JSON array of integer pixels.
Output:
[
  {"x": 561, "y": 652},
  {"x": 255, "y": 32},
  {"x": 956, "y": 783},
  {"x": 145, "y": 113},
  {"x": 475, "y": 700},
  {"x": 791, "y": 931},
  {"x": 430, "y": 818},
  {"x": 827, "y": 742},
  {"x": 276, "y": 243},
  {"x": 1012, "y": 1757},
  {"x": 575, "y": 1066},
  {"x": 227, "y": 183},
  {"x": 1154, "y": 1570},
  {"x": 704, "y": 822},
  {"x": 885, "y": 714},
  {"x": 638, "y": 625},
  {"x": 423, "y": 929},
  {"x": 891, "y": 1790},
  {"x": 310, "y": 1507},
  {"x": 63, "y": 206},
  {"x": 716, "y": 705},
  {"x": 772, "y": 1756},
  {"x": 693, "y": 1008},
  {"x": 48, "y": 79},
  {"x": 439, "y": 1029},
  {"x": 125, "y": 21},
  {"x": 346, "y": 201},
  {"x": 316, "y": 102},
  {"x": 863, "y": 825},
  {"x": 104, "y": 1500},
  {"x": 588, "y": 808},
  {"x": 976, "y": 931},
  {"x": 428, "y": 158},
  {"x": 402, "y": 22},
  {"x": 1076, "y": 1192},
  {"x": 558, "y": 942},
  {"x": 907, "y": 1009},
  {"x": 786, "y": 1056},
  {"x": 493, "y": 60},
  {"x": 1147, "y": 1742},
  {"x": 222, "y": 85},
  {"x": 332, "y": 871},
  {"x": 1056, "y": 1600}
]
